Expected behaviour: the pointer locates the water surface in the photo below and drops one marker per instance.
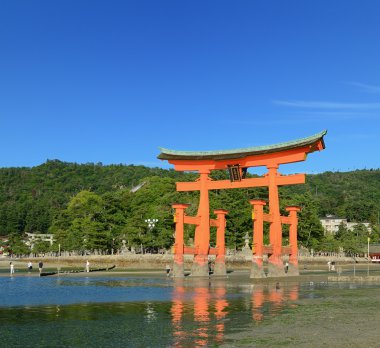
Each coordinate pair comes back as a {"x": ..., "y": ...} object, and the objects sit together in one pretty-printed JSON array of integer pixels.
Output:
[{"x": 141, "y": 311}]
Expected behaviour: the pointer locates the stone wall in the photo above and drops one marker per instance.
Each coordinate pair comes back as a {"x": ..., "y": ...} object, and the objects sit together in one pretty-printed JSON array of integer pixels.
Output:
[{"x": 159, "y": 261}]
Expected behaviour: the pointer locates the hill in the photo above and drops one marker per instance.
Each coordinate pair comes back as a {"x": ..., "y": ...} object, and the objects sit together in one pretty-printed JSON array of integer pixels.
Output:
[
  {"x": 30, "y": 197},
  {"x": 44, "y": 198}
]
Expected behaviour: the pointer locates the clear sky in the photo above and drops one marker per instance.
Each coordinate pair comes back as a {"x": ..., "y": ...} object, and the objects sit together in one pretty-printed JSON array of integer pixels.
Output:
[{"x": 112, "y": 81}]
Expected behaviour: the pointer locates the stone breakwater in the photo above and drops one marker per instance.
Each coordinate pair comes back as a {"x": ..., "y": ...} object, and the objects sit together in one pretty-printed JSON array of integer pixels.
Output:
[
  {"x": 353, "y": 279},
  {"x": 159, "y": 261}
]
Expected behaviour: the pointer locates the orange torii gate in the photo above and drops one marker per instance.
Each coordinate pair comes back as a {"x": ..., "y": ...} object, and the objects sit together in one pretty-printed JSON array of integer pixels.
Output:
[{"x": 237, "y": 162}]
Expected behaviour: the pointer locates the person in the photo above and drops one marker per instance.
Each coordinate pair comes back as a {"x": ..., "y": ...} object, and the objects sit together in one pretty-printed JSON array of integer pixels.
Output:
[
  {"x": 30, "y": 266},
  {"x": 286, "y": 267},
  {"x": 40, "y": 266},
  {"x": 209, "y": 267},
  {"x": 12, "y": 266},
  {"x": 87, "y": 266},
  {"x": 333, "y": 266},
  {"x": 168, "y": 269},
  {"x": 329, "y": 265}
]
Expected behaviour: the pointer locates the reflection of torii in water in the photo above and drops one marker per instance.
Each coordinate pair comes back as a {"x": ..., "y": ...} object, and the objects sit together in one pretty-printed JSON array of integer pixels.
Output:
[
  {"x": 208, "y": 307},
  {"x": 236, "y": 162},
  {"x": 276, "y": 296}
]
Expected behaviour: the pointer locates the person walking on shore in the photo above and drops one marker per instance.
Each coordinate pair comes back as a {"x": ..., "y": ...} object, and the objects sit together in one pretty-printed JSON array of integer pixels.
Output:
[
  {"x": 12, "y": 268},
  {"x": 30, "y": 266},
  {"x": 87, "y": 266},
  {"x": 168, "y": 269},
  {"x": 40, "y": 266}
]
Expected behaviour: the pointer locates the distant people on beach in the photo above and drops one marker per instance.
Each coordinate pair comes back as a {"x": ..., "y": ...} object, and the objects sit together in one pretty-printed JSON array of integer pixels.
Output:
[
  {"x": 329, "y": 265},
  {"x": 286, "y": 267},
  {"x": 87, "y": 266},
  {"x": 168, "y": 269},
  {"x": 333, "y": 265},
  {"x": 30, "y": 266},
  {"x": 40, "y": 266},
  {"x": 12, "y": 268}
]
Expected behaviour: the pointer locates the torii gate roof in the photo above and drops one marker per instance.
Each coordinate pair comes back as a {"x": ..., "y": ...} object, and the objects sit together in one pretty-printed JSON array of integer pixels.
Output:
[{"x": 314, "y": 142}]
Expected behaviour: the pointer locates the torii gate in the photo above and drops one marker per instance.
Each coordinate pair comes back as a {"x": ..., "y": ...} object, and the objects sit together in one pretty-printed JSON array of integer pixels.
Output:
[{"x": 237, "y": 162}]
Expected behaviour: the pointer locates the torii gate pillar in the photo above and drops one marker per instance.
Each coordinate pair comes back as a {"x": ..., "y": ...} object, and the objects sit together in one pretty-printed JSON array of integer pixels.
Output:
[
  {"x": 179, "y": 217},
  {"x": 220, "y": 261},
  {"x": 275, "y": 263},
  {"x": 293, "y": 257},
  {"x": 257, "y": 269},
  {"x": 202, "y": 231}
]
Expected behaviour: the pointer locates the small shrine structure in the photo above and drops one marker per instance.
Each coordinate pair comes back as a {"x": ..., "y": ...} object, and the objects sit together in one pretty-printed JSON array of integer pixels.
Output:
[{"x": 236, "y": 162}]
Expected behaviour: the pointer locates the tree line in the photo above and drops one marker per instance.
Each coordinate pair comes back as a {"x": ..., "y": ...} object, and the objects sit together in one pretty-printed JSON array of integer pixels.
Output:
[{"x": 92, "y": 207}]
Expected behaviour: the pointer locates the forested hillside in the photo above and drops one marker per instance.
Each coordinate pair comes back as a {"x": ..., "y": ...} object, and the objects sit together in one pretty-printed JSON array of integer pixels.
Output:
[
  {"x": 354, "y": 195},
  {"x": 95, "y": 202},
  {"x": 30, "y": 197}
]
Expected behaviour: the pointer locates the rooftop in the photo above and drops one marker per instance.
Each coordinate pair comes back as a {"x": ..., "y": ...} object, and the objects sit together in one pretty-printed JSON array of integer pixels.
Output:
[{"x": 312, "y": 141}]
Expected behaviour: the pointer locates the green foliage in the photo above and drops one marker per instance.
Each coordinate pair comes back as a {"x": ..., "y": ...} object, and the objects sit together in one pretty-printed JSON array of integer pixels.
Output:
[
  {"x": 354, "y": 195},
  {"x": 31, "y": 197},
  {"x": 329, "y": 244},
  {"x": 41, "y": 247},
  {"x": 91, "y": 207},
  {"x": 352, "y": 241},
  {"x": 310, "y": 231},
  {"x": 90, "y": 222},
  {"x": 152, "y": 201},
  {"x": 16, "y": 246}
]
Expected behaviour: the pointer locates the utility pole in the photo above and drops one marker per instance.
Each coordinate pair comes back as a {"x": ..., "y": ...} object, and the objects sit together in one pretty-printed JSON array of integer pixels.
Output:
[
  {"x": 59, "y": 257},
  {"x": 368, "y": 257}
]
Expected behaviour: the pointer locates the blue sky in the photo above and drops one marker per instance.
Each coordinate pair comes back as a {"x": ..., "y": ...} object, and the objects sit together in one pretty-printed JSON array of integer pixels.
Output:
[{"x": 111, "y": 81}]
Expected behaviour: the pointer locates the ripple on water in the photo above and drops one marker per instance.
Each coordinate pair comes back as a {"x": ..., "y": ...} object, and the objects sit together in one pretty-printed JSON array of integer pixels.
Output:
[{"x": 137, "y": 312}]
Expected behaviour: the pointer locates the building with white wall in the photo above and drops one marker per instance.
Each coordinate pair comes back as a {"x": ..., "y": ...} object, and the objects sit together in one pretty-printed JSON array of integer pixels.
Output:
[{"x": 331, "y": 223}]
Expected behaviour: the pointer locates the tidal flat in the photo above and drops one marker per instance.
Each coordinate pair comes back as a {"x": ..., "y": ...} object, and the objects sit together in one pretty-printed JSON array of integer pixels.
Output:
[
  {"x": 152, "y": 310},
  {"x": 326, "y": 314}
]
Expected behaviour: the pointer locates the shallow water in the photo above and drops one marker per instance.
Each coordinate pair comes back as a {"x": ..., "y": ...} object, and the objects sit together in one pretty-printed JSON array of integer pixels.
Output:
[{"x": 140, "y": 311}]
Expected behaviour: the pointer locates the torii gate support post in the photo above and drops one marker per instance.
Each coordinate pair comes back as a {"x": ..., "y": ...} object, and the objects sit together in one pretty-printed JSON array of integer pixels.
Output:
[
  {"x": 293, "y": 257},
  {"x": 178, "y": 266},
  {"x": 202, "y": 231},
  {"x": 220, "y": 262},
  {"x": 275, "y": 263},
  {"x": 257, "y": 268}
]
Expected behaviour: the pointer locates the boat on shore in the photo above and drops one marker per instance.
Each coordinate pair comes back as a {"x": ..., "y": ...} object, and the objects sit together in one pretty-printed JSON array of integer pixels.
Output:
[{"x": 44, "y": 274}]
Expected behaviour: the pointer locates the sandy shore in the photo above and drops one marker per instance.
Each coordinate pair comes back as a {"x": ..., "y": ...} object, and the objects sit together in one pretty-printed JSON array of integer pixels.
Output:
[{"x": 156, "y": 264}]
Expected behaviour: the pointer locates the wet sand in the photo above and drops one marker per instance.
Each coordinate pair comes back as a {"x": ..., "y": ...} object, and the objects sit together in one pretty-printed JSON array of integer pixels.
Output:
[
  {"x": 316, "y": 323},
  {"x": 348, "y": 320}
]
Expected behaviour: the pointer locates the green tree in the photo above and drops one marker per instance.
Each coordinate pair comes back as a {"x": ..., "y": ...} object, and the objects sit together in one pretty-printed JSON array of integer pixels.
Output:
[
  {"x": 41, "y": 247},
  {"x": 81, "y": 227},
  {"x": 310, "y": 230},
  {"x": 17, "y": 245},
  {"x": 352, "y": 241}
]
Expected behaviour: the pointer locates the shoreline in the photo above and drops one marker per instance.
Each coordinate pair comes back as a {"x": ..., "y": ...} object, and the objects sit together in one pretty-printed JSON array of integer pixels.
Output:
[
  {"x": 361, "y": 274},
  {"x": 154, "y": 265},
  {"x": 159, "y": 261}
]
